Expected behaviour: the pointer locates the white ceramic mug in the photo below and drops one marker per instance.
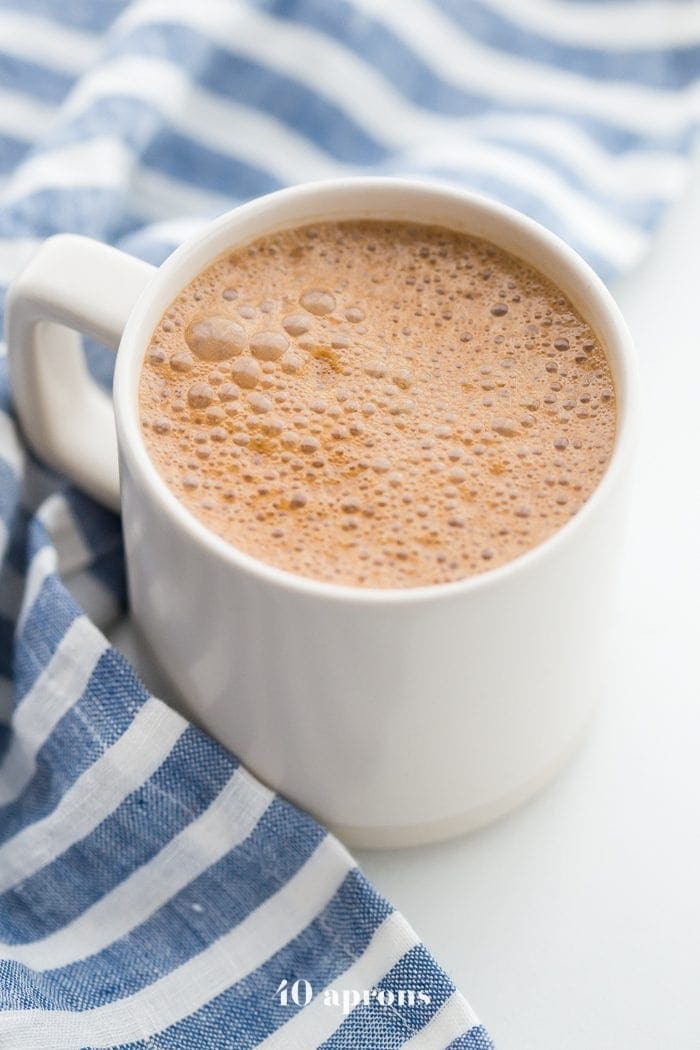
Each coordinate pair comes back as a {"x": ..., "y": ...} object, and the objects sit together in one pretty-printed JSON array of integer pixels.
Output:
[{"x": 395, "y": 716}]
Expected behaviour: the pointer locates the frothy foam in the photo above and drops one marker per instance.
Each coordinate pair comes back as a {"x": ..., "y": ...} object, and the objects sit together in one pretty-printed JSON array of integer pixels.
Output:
[{"x": 377, "y": 404}]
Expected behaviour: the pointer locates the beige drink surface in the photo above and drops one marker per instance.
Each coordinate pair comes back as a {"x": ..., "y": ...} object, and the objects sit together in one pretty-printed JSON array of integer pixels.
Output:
[{"x": 377, "y": 404}]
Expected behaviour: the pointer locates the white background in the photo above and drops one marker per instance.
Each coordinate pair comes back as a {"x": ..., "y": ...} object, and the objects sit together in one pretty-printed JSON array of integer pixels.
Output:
[{"x": 574, "y": 924}]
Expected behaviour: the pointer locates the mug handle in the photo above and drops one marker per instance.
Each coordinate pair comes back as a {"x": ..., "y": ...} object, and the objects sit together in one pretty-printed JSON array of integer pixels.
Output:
[{"x": 72, "y": 285}]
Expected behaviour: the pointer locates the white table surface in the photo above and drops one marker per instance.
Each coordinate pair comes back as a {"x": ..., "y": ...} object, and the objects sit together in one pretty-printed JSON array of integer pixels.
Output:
[{"x": 574, "y": 924}]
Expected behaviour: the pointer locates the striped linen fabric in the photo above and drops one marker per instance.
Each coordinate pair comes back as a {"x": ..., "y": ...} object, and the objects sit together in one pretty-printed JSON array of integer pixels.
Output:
[{"x": 152, "y": 893}]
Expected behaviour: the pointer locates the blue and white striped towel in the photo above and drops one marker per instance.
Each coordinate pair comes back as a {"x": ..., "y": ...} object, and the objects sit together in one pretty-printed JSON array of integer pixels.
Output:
[{"x": 152, "y": 893}]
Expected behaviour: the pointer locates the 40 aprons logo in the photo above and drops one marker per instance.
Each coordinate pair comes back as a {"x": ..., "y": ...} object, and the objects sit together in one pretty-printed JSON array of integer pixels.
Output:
[{"x": 300, "y": 993}]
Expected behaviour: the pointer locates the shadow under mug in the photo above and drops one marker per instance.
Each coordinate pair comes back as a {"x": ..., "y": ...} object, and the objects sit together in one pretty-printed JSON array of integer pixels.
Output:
[{"x": 394, "y": 716}]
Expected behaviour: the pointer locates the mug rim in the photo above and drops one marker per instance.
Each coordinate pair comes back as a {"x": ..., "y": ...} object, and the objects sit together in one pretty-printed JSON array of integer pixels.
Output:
[{"x": 134, "y": 341}]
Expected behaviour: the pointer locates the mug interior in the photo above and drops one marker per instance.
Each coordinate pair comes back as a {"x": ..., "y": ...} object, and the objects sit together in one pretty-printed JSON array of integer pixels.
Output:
[{"x": 388, "y": 200}]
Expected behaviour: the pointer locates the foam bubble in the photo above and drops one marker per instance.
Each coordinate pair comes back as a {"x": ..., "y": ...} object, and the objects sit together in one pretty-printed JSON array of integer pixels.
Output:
[
  {"x": 403, "y": 377},
  {"x": 291, "y": 363},
  {"x": 215, "y": 338},
  {"x": 273, "y": 425},
  {"x": 296, "y": 324},
  {"x": 402, "y": 406},
  {"x": 259, "y": 402},
  {"x": 268, "y": 346},
  {"x": 504, "y": 427},
  {"x": 317, "y": 301},
  {"x": 182, "y": 361},
  {"x": 246, "y": 372},
  {"x": 200, "y": 395},
  {"x": 380, "y": 465}
]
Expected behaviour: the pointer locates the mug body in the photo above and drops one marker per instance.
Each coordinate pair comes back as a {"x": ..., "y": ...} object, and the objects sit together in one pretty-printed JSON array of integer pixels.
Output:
[{"x": 394, "y": 716}]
